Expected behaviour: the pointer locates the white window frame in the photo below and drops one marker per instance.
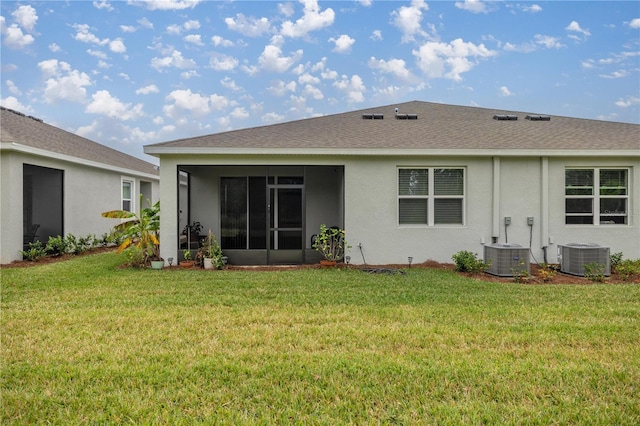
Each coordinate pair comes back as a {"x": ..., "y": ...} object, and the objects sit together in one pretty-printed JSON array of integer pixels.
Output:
[
  {"x": 431, "y": 197},
  {"x": 132, "y": 184},
  {"x": 596, "y": 197}
]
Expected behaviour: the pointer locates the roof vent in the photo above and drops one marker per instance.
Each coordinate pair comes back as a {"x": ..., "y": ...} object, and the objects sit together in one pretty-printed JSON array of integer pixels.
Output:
[
  {"x": 538, "y": 117},
  {"x": 406, "y": 116},
  {"x": 505, "y": 117},
  {"x": 369, "y": 116}
]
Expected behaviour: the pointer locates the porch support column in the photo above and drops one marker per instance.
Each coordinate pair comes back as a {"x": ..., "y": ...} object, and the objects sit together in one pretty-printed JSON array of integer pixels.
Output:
[{"x": 169, "y": 194}]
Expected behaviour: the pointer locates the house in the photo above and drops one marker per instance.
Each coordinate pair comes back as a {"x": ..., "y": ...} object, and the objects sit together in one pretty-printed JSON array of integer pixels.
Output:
[
  {"x": 57, "y": 183},
  {"x": 417, "y": 179}
]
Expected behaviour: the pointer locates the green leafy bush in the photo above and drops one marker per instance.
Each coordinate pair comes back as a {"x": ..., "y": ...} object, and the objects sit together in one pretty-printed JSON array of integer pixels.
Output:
[
  {"x": 627, "y": 269},
  {"x": 594, "y": 271},
  {"x": 35, "y": 252},
  {"x": 57, "y": 246},
  {"x": 467, "y": 261}
]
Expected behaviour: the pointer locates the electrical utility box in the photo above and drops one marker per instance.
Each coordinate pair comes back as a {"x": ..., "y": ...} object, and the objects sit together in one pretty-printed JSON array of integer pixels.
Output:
[
  {"x": 573, "y": 257},
  {"x": 506, "y": 259}
]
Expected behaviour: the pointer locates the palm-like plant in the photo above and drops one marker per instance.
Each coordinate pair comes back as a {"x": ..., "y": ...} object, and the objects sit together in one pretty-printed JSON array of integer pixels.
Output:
[{"x": 140, "y": 232}]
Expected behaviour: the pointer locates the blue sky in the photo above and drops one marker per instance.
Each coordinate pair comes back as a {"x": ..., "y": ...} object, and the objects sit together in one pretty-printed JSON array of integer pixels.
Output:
[{"x": 131, "y": 73}]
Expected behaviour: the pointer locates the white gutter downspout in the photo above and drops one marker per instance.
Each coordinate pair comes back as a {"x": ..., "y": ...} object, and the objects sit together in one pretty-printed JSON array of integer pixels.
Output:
[
  {"x": 544, "y": 205},
  {"x": 495, "y": 225}
]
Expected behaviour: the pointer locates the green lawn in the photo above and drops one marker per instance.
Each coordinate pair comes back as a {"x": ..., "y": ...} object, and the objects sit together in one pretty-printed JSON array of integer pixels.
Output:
[{"x": 86, "y": 342}]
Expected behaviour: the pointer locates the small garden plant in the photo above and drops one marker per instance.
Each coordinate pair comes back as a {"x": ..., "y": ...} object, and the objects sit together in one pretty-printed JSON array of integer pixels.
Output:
[
  {"x": 594, "y": 271},
  {"x": 467, "y": 261}
]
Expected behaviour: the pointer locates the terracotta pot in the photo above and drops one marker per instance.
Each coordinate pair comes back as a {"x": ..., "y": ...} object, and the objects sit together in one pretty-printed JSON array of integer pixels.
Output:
[
  {"x": 328, "y": 263},
  {"x": 186, "y": 264}
]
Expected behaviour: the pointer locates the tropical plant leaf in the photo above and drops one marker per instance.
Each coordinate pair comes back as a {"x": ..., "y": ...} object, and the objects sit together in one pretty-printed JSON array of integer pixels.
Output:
[{"x": 118, "y": 214}]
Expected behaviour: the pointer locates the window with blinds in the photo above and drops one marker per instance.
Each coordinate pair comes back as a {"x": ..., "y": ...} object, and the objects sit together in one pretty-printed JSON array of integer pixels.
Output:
[{"x": 431, "y": 196}]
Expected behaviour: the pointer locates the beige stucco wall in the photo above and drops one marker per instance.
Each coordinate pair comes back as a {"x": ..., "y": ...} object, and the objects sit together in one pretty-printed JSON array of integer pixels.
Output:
[
  {"x": 495, "y": 187},
  {"x": 87, "y": 192}
]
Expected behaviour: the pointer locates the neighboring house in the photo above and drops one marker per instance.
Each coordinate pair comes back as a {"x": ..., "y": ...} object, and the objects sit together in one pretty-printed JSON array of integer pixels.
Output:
[
  {"x": 59, "y": 183},
  {"x": 417, "y": 179}
]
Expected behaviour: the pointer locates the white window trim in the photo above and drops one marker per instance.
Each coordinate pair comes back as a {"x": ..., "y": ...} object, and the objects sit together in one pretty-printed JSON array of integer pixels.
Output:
[
  {"x": 132, "y": 181},
  {"x": 596, "y": 197},
  {"x": 431, "y": 197}
]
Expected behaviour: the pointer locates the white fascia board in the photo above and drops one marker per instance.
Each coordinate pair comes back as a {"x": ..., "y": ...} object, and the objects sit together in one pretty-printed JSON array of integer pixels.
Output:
[
  {"x": 12, "y": 146},
  {"x": 158, "y": 151}
]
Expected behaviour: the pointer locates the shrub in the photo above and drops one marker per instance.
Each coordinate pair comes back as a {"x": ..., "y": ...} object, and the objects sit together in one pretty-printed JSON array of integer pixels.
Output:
[
  {"x": 627, "y": 269},
  {"x": 546, "y": 272},
  {"x": 594, "y": 271},
  {"x": 468, "y": 262},
  {"x": 35, "y": 252},
  {"x": 57, "y": 246},
  {"x": 615, "y": 258}
]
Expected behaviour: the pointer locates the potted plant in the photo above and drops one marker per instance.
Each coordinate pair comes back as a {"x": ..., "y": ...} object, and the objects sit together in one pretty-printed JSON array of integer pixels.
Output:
[
  {"x": 211, "y": 252},
  {"x": 187, "y": 262},
  {"x": 331, "y": 243}
]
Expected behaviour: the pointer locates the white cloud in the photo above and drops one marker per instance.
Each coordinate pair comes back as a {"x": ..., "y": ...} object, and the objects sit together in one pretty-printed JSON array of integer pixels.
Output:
[
  {"x": 307, "y": 78},
  {"x": 343, "y": 43},
  {"x": 186, "y": 75},
  {"x": 117, "y": 46},
  {"x": 313, "y": 91},
  {"x": 165, "y": 4},
  {"x": 15, "y": 39},
  {"x": 630, "y": 101},
  {"x": 473, "y": 6},
  {"x": 615, "y": 74},
  {"x": 14, "y": 104},
  {"x": 408, "y": 19},
  {"x": 83, "y": 35},
  {"x": 221, "y": 62},
  {"x": 104, "y": 4},
  {"x": 272, "y": 117},
  {"x": 239, "y": 113},
  {"x": 576, "y": 32},
  {"x": 198, "y": 105},
  {"x": 12, "y": 88},
  {"x": 174, "y": 29},
  {"x": 194, "y": 39},
  {"x": 396, "y": 67},
  {"x": 26, "y": 17},
  {"x": 54, "y": 47},
  {"x": 548, "y": 41},
  {"x": 63, "y": 83},
  {"x": 504, "y": 91},
  {"x": 219, "y": 41},
  {"x": 128, "y": 28},
  {"x": 152, "y": 88},
  {"x": 175, "y": 60},
  {"x": 376, "y": 35},
  {"x": 635, "y": 23},
  {"x": 272, "y": 59},
  {"x": 534, "y": 8},
  {"x": 13, "y": 36},
  {"x": 145, "y": 23},
  {"x": 229, "y": 84},
  {"x": 104, "y": 103},
  {"x": 248, "y": 26},
  {"x": 191, "y": 25},
  {"x": 312, "y": 19},
  {"x": 98, "y": 54},
  {"x": 353, "y": 88},
  {"x": 450, "y": 60},
  {"x": 280, "y": 88}
]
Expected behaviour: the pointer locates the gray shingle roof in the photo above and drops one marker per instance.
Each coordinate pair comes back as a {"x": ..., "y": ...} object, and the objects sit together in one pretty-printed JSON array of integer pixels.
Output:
[
  {"x": 437, "y": 127},
  {"x": 25, "y": 130}
]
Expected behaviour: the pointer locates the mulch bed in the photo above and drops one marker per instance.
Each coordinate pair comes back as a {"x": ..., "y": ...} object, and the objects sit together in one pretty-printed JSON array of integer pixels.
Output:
[{"x": 534, "y": 276}]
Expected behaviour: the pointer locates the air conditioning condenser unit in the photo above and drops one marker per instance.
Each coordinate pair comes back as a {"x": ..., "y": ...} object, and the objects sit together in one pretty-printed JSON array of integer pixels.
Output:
[
  {"x": 573, "y": 257},
  {"x": 506, "y": 259}
]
